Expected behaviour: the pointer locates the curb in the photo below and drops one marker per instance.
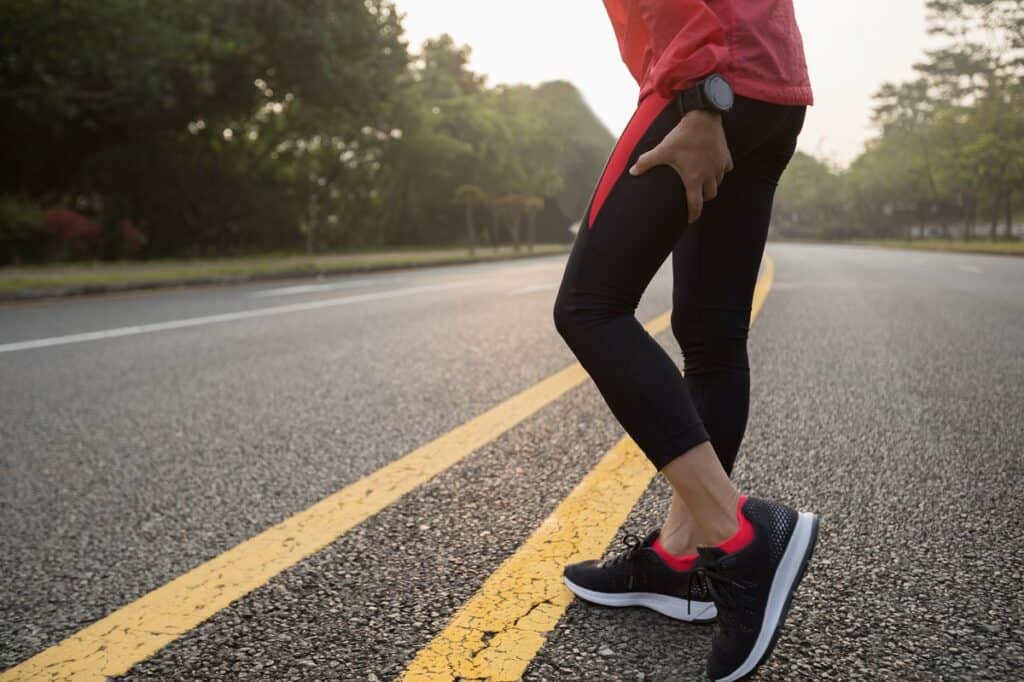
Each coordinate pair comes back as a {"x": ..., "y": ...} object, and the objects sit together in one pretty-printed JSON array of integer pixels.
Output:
[
  {"x": 942, "y": 249},
  {"x": 35, "y": 294},
  {"x": 904, "y": 247}
]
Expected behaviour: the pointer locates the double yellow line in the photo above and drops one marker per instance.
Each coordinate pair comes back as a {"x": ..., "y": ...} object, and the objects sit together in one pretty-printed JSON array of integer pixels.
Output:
[{"x": 494, "y": 635}]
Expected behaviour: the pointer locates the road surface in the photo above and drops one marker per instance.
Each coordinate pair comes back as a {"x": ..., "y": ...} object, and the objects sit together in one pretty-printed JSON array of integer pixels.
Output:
[{"x": 145, "y": 436}]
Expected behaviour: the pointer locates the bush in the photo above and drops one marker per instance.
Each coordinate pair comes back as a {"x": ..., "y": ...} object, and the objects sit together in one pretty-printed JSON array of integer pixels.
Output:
[
  {"x": 131, "y": 239},
  {"x": 69, "y": 235},
  {"x": 30, "y": 234},
  {"x": 18, "y": 221}
]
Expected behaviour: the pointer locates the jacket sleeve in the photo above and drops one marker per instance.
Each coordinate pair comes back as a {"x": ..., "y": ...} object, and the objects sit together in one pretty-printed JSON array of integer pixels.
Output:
[
  {"x": 689, "y": 38},
  {"x": 632, "y": 37}
]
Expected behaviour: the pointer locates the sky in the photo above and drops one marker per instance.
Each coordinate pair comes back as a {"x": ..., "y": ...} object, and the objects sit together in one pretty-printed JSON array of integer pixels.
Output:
[{"x": 851, "y": 48}]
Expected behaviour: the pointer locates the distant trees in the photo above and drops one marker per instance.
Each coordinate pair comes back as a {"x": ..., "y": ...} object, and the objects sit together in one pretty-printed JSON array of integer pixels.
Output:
[
  {"x": 949, "y": 157},
  {"x": 207, "y": 123},
  {"x": 470, "y": 196},
  {"x": 228, "y": 126}
]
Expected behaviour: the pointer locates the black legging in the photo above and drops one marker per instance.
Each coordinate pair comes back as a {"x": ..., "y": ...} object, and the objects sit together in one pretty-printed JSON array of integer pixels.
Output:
[{"x": 629, "y": 228}]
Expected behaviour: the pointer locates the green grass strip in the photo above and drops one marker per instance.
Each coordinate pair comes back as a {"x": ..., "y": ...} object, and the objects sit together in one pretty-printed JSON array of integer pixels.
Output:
[{"x": 100, "y": 276}]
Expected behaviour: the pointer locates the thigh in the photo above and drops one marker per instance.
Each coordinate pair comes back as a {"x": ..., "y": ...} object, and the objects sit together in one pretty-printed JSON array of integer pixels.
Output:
[
  {"x": 716, "y": 260},
  {"x": 632, "y": 222}
]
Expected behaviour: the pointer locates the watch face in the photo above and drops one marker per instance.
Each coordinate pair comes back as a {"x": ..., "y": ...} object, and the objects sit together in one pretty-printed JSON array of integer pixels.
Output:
[{"x": 719, "y": 92}]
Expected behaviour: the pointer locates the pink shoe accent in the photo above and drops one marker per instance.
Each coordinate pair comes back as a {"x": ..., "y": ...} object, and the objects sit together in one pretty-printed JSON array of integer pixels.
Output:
[
  {"x": 743, "y": 536},
  {"x": 676, "y": 562}
]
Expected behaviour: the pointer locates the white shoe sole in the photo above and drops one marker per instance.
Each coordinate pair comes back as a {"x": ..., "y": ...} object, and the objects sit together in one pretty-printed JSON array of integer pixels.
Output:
[
  {"x": 787, "y": 577},
  {"x": 673, "y": 607}
]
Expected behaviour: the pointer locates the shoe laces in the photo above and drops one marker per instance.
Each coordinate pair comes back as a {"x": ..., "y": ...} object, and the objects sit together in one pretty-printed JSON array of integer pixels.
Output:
[
  {"x": 722, "y": 588},
  {"x": 633, "y": 542}
]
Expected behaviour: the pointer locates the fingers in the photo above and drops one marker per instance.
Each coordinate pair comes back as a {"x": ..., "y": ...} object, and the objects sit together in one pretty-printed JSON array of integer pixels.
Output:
[
  {"x": 694, "y": 200},
  {"x": 699, "y": 188},
  {"x": 644, "y": 162},
  {"x": 710, "y": 189},
  {"x": 726, "y": 168},
  {"x": 696, "y": 190}
]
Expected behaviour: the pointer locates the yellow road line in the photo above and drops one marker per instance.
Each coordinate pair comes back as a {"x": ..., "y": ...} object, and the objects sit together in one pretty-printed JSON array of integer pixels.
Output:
[
  {"x": 136, "y": 631},
  {"x": 496, "y": 634}
]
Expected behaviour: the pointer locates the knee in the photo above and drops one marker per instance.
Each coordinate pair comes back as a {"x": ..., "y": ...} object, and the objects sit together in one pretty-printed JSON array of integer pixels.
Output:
[
  {"x": 582, "y": 320},
  {"x": 566, "y": 320},
  {"x": 714, "y": 341},
  {"x": 686, "y": 330}
]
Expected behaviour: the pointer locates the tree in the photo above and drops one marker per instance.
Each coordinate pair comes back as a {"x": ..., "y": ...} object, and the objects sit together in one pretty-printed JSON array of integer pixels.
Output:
[
  {"x": 805, "y": 202},
  {"x": 511, "y": 207},
  {"x": 531, "y": 206},
  {"x": 950, "y": 145},
  {"x": 231, "y": 126},
  {"x": 168, "y": 112},
  {"x": 470, "y": 196}
]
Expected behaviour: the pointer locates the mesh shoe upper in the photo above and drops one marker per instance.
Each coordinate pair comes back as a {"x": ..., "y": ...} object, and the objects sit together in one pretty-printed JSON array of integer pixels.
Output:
[
  {"x": 637, "y": 568},
  {"x": 739, "y": 583}
]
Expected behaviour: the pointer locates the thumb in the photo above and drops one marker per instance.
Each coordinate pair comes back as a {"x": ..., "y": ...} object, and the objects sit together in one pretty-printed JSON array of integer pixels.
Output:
[{"x": 646, "y": 161}]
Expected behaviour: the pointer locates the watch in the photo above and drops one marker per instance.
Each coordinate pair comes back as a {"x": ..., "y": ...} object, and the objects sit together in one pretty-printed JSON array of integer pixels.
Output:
[{"x": 712, "y": 93}]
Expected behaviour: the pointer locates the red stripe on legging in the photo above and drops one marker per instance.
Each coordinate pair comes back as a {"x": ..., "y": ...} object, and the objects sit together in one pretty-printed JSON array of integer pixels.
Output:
[{"x": 648, "y": 109}]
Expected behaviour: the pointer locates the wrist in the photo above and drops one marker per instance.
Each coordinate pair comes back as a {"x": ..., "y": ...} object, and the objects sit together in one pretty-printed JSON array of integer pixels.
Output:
[
  {"x": 711, "y": 93},
  {"x": 705, "y": 114},
  {"x": 702, "y": 118}
]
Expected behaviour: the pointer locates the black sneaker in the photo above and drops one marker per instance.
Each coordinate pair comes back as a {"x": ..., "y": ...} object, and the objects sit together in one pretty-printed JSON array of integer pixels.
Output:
[
  {"x": 637, "y": 576},
  {"x": 753, "y": 587}
]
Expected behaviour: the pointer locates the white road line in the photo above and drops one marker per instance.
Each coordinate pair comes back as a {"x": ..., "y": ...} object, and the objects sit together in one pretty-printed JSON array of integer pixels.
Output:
[
  {"x": 968, "y": 268},
  {"x": 314, "y": 288},
  {"x": 532, "y": 288},
  {"x": 226, "y": 317}
]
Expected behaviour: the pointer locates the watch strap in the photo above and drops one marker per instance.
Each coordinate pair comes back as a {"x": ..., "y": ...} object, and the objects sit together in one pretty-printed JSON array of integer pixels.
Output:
[
  {"x": 694, "y": 98},
  {"x": 691, "y": 99}
]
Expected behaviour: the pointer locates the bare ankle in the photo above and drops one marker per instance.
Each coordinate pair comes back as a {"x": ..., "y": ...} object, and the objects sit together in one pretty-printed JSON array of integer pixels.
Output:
[
  {"x": 677, "y": 542},
  {"x": 703, "y": 486},
  {"x": 721, "y": 532},
  {"x": 726, "y": 523}
]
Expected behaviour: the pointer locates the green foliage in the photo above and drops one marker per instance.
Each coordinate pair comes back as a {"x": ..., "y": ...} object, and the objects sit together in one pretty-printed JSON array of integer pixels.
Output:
[
  {"x": 183, "y": 116},
  {"x": 805, "y": 204},
  {"x": 233, "y": 126},
  {"x": 949, "y": 157},
  {"x": 507, "y": 140},
  {"x": 18, "y": 221}
]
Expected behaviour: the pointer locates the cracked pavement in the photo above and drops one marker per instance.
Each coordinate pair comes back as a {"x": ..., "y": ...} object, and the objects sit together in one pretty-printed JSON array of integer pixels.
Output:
[{"x": 886, "y": 393}]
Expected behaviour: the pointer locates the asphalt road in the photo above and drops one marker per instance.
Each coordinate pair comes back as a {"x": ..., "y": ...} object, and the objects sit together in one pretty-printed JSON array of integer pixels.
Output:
[{"x": 887, "y": 394}]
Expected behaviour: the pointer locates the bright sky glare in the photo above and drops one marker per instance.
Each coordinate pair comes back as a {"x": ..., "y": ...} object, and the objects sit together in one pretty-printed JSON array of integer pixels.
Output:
[{"x": 851, "y": 47}]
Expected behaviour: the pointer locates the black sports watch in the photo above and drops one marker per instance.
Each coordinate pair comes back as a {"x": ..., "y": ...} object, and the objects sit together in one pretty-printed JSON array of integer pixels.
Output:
[{"x": 712, "y": 93}]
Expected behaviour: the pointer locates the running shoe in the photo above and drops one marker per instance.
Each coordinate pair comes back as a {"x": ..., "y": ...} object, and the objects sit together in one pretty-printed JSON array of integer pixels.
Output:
[
  {"x": 637, "y": 576},
  {"x": 753, "y": 587}
]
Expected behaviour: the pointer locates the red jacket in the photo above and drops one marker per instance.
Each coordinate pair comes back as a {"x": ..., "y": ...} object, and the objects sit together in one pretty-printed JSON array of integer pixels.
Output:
[{"x": 755, "y": 44}]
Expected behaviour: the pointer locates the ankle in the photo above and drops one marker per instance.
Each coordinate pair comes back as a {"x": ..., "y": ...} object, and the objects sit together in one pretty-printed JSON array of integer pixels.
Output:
[
  {"x": 675, "y": 561},
  {"x": 743, "y": 534},
  {"x": 676, "y": 544}
]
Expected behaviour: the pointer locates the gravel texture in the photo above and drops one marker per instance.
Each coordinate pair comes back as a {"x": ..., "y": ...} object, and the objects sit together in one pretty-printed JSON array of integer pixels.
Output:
[{"x": 886, "y": 394}]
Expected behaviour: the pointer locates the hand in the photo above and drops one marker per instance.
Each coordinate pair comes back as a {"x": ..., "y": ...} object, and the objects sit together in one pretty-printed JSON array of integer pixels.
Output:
[{"x": 697, "y": 149}]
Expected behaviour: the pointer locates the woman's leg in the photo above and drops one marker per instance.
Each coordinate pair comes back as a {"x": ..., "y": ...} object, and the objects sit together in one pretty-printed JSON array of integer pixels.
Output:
[
  {"x": 752, "y": 552},
  {"x": 714, "y": 275},
  {"x": 629, "y": 229},
  {"x": 631, "y": 226}
]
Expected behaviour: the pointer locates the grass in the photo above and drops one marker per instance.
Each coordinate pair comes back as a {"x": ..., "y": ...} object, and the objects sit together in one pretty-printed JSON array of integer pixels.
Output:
[
  {"x": 1006, "y": 248},
  {"x": 77, "y": 277}
]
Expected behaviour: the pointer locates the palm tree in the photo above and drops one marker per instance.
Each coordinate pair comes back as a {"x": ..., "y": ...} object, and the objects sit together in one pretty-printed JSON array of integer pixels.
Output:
[
  {"x": 513, "y": 205},
  {"x": 470, "y": 196},
  {"x": 532, "y": 205}
]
